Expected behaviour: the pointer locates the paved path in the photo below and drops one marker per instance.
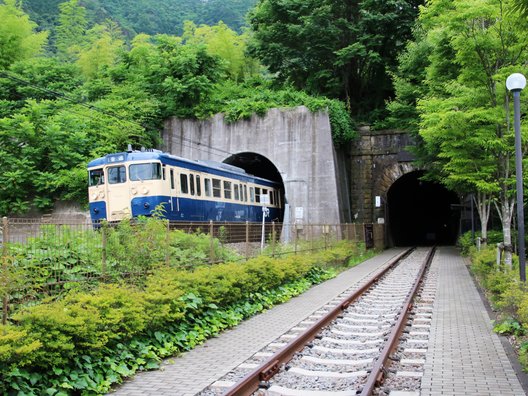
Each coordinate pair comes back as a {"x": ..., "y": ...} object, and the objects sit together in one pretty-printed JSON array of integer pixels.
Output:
[
  {"x": 195, "y": 370},
  {"x": 464, "y": 356}
]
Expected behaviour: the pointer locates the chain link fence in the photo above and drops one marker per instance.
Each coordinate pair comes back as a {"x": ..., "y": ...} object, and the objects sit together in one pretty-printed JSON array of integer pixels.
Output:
[{"x": 44, "y": 257}]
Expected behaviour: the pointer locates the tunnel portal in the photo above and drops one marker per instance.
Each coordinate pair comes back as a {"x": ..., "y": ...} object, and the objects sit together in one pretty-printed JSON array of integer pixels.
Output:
[
  {"x": 258, "y": 165},
  {"x": 421, "y": 212},
  {"x": 255, "y": 164}
]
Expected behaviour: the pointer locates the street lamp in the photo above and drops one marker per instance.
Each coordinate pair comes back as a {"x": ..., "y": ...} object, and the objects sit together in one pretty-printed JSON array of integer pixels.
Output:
[{"x": 515, "y": 83}]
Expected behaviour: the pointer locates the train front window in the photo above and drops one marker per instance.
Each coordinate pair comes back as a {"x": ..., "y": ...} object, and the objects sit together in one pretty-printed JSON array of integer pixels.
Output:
[
  {"x": 116, "y": 174},
  {"x": 95, "y": 177},
  {"x": 140, "y": 172}
]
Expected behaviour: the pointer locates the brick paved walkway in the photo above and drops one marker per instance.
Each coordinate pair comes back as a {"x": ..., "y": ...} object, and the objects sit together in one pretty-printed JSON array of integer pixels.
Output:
[
  {"x": 464, "y": 356},
  {"x": 195, "y": 370}
]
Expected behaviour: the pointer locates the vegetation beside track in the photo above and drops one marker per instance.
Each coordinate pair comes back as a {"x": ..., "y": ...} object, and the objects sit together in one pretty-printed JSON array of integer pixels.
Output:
[
  {"x": 88, "y": 340},
  {"x": 506, "y": 293}
]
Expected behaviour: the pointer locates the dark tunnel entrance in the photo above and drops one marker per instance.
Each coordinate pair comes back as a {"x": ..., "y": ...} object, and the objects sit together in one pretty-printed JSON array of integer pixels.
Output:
[
  {"x": 258, "y": 165},
  {"x": 421, "y": 212}
]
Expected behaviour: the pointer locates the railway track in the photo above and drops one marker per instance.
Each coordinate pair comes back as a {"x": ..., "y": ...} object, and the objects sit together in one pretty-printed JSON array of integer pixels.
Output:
[{"x": 370, "y": 341}]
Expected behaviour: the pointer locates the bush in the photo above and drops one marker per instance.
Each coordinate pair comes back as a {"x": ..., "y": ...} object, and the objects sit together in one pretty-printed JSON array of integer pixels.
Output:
[
  {"x": 466, "y": 243},
  {"x": 90, "y": 339}
]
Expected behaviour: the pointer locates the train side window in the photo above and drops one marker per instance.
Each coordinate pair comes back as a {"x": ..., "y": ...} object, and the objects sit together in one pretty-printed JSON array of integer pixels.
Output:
[
  {"x": 237, "y": 192},
  {"x": 227, "y": 189},
  {"x": 163, "y": 172},
  {"x": 245, "y": 193},
  {"x": 272, "y": 197},
  {"x": 172, "y": 179},
  {"x": 116, "y": 174},
  {"x": 251, "y": 194},
  {"x": 217, "y": 188},
  {"x": 96, "y": 177},
  {"x": 207, "y": 187},
  {"x": 198, "y": 186},
  {"x": 257, "y": 194},
  {"x": 191, "y": 183},
  {"x": 184, "y": 186}
]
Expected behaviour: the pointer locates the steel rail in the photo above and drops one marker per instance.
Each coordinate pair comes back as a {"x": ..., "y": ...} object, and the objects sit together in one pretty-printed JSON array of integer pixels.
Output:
[
  {"x": 376, "y": 375},
  {"x": 251, "y": 382}
]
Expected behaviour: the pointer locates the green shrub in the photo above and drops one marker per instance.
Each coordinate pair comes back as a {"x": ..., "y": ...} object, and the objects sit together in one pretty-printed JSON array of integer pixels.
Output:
[
  {"x": 88, "y": 340},
  {"x": 465, "y": 241}
]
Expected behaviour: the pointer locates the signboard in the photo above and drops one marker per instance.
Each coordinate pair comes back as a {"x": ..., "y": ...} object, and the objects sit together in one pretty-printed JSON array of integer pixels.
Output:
[{"x": 299, "y": 213}]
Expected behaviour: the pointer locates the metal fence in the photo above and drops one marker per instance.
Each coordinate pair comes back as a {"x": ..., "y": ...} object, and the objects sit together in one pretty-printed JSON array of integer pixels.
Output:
[{"x": 45, "y": 257}]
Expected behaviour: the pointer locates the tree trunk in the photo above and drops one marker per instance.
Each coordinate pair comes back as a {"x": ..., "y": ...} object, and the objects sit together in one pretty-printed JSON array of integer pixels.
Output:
[
  {"x": 505, "y": 213},
  {"x": 483, "y": 202}
]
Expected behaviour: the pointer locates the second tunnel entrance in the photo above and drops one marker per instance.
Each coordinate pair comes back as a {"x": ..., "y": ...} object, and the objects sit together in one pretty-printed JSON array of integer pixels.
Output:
[{"x": 421, "y": 212}]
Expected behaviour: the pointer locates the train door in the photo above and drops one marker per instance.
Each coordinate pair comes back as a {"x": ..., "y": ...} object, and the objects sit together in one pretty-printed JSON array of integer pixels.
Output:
[{"x": 117, "y": 193}]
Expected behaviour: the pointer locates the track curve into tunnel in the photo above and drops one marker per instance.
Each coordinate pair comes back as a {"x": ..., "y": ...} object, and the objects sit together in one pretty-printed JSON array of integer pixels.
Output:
[{"x": 421, "y": 212}]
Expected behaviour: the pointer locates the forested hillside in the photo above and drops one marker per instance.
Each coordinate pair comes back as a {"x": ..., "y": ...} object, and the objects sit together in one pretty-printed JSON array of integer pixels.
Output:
[{"x": 147, "y": 16}]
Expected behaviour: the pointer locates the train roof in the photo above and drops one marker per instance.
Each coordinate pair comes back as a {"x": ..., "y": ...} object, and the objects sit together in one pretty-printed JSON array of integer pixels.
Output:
[{"x": 152, "y": 154}]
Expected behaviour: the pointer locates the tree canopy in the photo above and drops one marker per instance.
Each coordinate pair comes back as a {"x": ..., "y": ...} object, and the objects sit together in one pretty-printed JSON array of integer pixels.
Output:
[{"x": 334, "y": 48}]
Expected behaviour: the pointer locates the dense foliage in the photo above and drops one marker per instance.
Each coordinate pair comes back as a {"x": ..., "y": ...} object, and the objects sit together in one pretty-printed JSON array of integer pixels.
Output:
[
  {"x": 89, "y": 340},
  {"x": 334, "y": 48},
  {"x": 96, "y": 91},
  {"x": 147, "y": 16}
]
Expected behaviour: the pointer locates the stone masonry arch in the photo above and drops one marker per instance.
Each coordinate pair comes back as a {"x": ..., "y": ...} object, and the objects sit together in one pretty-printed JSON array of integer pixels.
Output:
[{"x": 389, "y": 175}]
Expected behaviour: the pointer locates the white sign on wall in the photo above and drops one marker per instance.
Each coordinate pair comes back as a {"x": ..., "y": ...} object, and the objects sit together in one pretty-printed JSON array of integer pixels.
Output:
[{"x": 299, "y": 213}]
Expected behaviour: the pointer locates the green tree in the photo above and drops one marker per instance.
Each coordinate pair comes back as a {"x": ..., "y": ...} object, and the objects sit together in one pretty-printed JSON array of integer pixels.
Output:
[
  {"x": 334, "y": 48},
  {"x": 225, "y": 43},
  {"x": 102, "y": 52},
  {"x": 463, "y": 119},
  {"x": 71, "y": 30},
  {"x": 18, "y": 40}
]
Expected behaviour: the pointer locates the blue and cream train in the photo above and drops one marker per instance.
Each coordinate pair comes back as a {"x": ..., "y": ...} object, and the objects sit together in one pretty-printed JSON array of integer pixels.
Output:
[{"x": 135, "y": 183}]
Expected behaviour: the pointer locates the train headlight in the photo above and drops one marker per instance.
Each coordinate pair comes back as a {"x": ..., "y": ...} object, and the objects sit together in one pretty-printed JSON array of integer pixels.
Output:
[
  {"x": 94, "y": 196},
  {"x": 101, "y": 194},
  {"x": 145, "y": 191},
  {"x": 133, "y": 191}
]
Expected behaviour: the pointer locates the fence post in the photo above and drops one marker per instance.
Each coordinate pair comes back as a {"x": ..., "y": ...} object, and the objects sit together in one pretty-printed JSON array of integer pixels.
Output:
[
  {"x": 211, "y": 246},
  {"x": 5, "y": 237},
  {"x": 272, "y": 239},
  {"x": 296, "y": 237},
  {"x": 167, "y": 245},
  {"x": 247, "y": 240},
  {"x": 103, "y": 248}
]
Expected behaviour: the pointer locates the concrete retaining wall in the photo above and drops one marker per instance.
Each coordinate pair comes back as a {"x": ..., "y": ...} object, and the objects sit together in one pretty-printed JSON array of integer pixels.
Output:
[{"x": 297, "y": 141}]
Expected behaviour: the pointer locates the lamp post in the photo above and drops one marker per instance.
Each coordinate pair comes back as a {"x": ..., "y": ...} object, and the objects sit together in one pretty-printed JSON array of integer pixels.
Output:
[{"x": 515, "y": 83}]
